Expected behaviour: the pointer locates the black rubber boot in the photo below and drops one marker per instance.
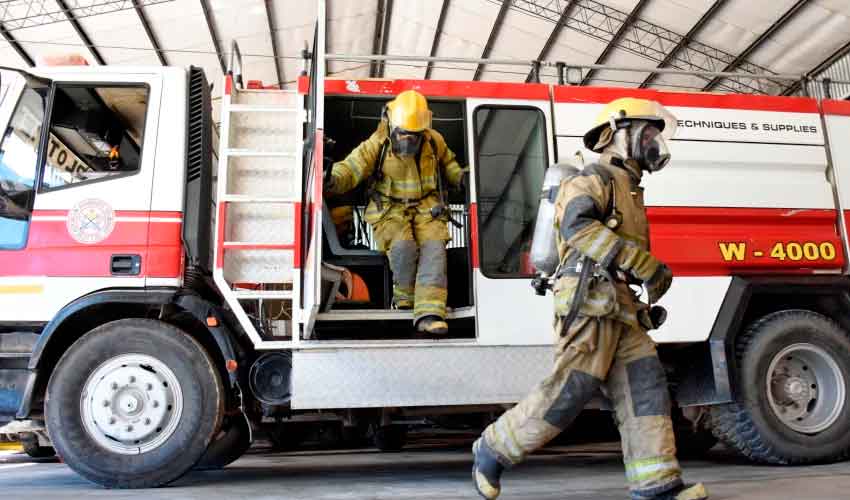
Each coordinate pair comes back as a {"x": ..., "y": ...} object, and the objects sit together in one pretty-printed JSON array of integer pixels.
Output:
[
  {"x": 684, "y": 492},
  {"x": 486, "y": 470},
  {"x": 432, "y": 325}
]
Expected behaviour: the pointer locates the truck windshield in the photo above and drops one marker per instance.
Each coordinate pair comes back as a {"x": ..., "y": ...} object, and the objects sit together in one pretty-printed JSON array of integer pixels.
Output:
[{"x": 18, "y": 162}]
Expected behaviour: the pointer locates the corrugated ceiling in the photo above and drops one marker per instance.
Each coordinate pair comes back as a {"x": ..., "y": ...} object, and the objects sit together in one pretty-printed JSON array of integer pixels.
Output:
[{"x": 815, "y": 32}]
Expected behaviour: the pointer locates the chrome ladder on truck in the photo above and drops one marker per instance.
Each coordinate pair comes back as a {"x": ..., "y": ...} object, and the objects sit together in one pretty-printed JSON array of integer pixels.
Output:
[{"x": 258, "y": 203}]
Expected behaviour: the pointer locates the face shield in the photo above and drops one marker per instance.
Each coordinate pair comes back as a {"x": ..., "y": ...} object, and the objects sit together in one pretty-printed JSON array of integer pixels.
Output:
[
  {"x": 405, "y": 143},
  {"x": 648, "y": 147}
]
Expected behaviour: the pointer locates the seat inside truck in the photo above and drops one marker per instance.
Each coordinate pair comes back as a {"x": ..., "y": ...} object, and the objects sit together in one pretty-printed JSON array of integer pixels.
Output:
[{"x": 349, "y": 120}]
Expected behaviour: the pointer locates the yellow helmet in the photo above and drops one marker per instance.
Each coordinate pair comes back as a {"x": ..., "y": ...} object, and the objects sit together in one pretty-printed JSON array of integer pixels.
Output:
[
  {"x": 621, "y": 111},
  {"x": 409, "y": 112}
]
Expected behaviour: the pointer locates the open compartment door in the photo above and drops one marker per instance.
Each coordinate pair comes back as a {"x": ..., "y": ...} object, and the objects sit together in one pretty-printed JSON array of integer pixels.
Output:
[
  {"x": 312, "y": 186},
  {"x": 512, "y": 149}
]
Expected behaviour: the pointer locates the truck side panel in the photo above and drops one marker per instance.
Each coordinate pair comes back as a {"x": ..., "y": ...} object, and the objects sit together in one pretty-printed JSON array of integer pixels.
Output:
[
  {"x": 508, "y": 159},
  {"x": 429, "y": 376}
]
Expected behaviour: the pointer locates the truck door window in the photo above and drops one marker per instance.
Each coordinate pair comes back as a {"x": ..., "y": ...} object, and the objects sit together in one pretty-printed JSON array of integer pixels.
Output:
[
  {"x": 18, "y": 161},
  {"x": 95, "y": 134},
  {"x": 511, "y": 159}
]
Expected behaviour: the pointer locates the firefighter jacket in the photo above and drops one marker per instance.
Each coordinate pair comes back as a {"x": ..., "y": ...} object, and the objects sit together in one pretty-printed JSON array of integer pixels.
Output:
[
  {"x": 401, "y": 180},
  {"x": 584, "y": 204}
]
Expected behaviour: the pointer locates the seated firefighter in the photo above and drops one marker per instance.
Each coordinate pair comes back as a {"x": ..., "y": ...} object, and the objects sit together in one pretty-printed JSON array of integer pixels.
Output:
[{"x": 406, "y": 165}]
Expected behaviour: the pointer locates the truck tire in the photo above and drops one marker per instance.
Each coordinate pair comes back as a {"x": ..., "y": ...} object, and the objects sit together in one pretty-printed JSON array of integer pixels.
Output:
[
  {"x": 793, "y": 391},
  {"x": 232, "y": 442},
  {"x": 29, "y": 442},
  {"x": 134, "y": 404}
]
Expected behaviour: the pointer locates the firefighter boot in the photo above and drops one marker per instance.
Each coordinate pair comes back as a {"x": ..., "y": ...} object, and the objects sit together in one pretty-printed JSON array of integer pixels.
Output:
[
  {"x": 684, "y": 492},
  {"x": 432, "y": 325},
  {"x": 486, "y": 470}
]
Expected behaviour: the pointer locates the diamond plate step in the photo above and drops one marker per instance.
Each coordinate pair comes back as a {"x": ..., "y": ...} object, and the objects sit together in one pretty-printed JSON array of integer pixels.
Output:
[
  {"x": 247, "y": 198},
  {"x": 258, "y": 108},
  {"x": 265, "y": 295},
  {"x": 254, "y": 152}
]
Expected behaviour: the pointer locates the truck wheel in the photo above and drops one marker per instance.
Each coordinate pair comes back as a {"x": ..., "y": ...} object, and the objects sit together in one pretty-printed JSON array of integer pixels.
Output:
[
  {"x": 29, "y": 442},
  {"x": 232, "y": 442},
  {"x": 134, "y": 404},
  {"x": 793, "y": 399}
]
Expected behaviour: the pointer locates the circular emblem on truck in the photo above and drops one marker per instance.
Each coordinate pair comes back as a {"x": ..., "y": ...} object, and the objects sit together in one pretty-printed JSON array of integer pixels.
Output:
[{"x": 91, "y": 221}]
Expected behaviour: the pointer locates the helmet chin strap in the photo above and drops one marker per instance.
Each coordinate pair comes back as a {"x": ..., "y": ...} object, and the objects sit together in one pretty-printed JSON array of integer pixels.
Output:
[{"x": 619, "y": 148}]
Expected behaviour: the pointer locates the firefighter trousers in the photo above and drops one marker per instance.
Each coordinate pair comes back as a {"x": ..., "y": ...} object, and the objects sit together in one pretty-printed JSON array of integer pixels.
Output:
[
  {"x": 619, "y": 359},
  {"x": 415, "y": 243}
]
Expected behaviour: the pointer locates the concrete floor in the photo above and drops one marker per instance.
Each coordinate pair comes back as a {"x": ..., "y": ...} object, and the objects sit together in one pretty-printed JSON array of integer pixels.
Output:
[{"x": 428, "y": 470}]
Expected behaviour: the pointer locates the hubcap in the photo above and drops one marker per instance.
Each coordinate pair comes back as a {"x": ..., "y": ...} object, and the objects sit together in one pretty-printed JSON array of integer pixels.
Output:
[
  {"x": 805, "y": 388},
  {"x": 131, "y": 404}
]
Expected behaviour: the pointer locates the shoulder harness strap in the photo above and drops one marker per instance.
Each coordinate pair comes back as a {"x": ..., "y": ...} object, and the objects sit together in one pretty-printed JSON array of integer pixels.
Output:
[
  {"x": 377, "y": 175},
  {"x": 612, "y": 218}
]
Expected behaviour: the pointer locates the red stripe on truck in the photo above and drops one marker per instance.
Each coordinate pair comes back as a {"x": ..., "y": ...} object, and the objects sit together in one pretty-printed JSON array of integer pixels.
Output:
[
  {"x": 228, "y": 85},
  {"x": 165, "y": 246},
  {"x": 296, "y": 258},
  {"x": 832, "y": 107},
  {"x": 687, "y": 99},
  {"x": 51, "y": 251},
  {"x": 696, "y": 241},
  {"x": 441, "y": 88},
  {"x": 219, "y": 239}
]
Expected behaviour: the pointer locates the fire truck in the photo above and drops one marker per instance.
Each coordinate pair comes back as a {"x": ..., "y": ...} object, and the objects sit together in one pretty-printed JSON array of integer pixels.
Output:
[{"x": 163, "y": 294}]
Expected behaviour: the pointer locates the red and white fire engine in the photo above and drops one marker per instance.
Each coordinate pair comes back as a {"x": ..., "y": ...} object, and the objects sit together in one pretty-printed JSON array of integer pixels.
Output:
[{"x": 157, "y": 303}]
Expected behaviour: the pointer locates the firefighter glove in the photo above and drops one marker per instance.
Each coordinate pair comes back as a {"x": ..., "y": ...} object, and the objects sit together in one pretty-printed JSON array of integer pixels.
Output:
[
  {"x": 654, "y": 274},
  {"x": 329, "y": 181},
  {"x": 636, "y": 261},
  {"x": 658, "y": 284}
]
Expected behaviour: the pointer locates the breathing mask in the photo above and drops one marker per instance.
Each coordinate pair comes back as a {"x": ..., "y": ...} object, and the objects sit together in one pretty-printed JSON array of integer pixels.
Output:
[
  {"x": 647, "y": 146},
  {"x": 405, "y": 143}
]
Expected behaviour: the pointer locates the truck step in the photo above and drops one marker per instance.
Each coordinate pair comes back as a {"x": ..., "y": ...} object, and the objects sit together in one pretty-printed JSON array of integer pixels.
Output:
[
  {"x": 265, "y": 295},
  {"x": 247, "y": 245},
  {"x": 260, "y": 156},
  {"x": 15, "y": 343},
  {"x": 247, "y": 198},
  {"x": 387, "y": 314},
  {"x": 254, "y": 152},
  {"x": 258, "y": 108},
  {"x": 15, "y": 355},
  {"x": 246, "y": 91}
]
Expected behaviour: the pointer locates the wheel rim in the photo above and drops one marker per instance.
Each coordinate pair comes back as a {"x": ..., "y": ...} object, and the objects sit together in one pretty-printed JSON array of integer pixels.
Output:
[
  {"x": 806, "y": 388},
  {"x": 131, "y": 404}
]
